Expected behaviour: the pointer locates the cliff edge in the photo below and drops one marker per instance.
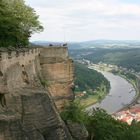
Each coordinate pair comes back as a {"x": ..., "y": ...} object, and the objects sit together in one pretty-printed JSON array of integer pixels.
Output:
[
  {"x": 57, "y": 71},
  {"x": 27, "y": 109}
]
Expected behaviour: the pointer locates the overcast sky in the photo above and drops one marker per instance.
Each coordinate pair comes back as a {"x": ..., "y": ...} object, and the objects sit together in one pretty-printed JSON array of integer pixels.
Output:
[{"x": 80, "y": 20}]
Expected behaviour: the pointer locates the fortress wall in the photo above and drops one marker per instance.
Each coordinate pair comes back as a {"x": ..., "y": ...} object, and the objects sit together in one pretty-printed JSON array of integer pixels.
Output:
[
  {"x": 23, "y": 57},
  {"x": 18, "y": 69}
]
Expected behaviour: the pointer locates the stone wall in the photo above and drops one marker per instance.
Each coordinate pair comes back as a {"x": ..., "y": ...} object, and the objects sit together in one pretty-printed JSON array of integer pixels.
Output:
[
  {"x": 21, "y": 56},
  {"x": 55, "y": 51},
  {"x": 18, "y": 68}
]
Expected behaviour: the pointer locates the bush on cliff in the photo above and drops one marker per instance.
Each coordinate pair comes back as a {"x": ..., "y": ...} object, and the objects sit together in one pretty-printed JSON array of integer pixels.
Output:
[
  {"x": 74, "y": 112},
  {"x": 17, "y": 23}
]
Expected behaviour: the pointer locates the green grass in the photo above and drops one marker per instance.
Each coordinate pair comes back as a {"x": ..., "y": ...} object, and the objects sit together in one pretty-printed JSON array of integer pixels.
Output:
[
  {"x": 91, "y": 99},
  {"x": 96, "y": 97}
]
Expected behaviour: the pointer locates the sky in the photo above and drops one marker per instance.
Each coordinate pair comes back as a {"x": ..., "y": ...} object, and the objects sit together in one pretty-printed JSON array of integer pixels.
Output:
[{"x": 83, "y": 20}]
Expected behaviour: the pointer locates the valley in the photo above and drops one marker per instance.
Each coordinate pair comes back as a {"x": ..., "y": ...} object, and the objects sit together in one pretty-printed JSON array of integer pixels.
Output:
[{"x": 121, "y": 68}]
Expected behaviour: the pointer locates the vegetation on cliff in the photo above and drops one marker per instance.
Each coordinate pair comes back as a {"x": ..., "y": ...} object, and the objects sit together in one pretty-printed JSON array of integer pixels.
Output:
[
  {"x": 89, "y": 84},
  {"x": 100, "y": 125},
  {"x": 17, "y": 23}
]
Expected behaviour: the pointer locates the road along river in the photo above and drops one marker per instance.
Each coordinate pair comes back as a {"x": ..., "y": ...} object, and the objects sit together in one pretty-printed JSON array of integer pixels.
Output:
[{"x": 121, "y": 94}]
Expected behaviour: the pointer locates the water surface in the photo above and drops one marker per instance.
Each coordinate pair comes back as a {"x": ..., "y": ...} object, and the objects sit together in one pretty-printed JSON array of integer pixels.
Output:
[{"x": 121, "y": 94}]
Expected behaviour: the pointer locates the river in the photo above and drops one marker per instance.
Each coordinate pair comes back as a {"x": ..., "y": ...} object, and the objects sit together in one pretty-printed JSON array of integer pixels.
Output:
[{"x": 121, "y": 94}]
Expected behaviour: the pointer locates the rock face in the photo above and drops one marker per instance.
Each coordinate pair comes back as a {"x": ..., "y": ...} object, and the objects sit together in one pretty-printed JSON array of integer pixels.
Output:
[
  {"x": 57, "y": 70},
  {"x": 27, "y": 110},
  {"x": 31, "y": 115},
  {"x": 78, "y": 131}
]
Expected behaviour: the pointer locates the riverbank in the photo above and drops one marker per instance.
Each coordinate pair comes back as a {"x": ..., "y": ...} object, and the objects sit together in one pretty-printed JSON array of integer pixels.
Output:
[
  {"x": 130, "y": 78},
  {"x": 90, "y": 99},
  {"x": 97, "y": 97},
  {"x": 135, "y": 85},
  {"x": 90, "y": 85},
  {"x": 119, "y": 95},
  {"x": 93, "y": 99}
]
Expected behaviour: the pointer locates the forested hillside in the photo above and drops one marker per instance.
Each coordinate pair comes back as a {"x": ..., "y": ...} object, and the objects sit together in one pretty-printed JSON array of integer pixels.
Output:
[{"x": 89, "y": 80}]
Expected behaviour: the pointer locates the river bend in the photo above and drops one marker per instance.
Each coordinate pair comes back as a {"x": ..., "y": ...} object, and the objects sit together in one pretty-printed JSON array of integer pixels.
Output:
[{"x": 121, "y": 94}]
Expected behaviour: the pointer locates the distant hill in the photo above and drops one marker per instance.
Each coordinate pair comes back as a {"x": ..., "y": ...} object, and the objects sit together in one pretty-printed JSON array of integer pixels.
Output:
[
  {"x": 71, "y": 45},
  {"x": 96, "y": 44},
  {"x": 45, "y": 43},
  {"x": 110, "y": 44},
  {"x": 125, "y": 57}
]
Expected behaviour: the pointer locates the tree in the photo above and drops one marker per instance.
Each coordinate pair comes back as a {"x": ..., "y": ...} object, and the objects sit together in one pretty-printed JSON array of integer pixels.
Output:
[
  {"x": 74, "y": 112},
  {"x": 133, "y": 131},
  {"x": 17, "y": 23},
  {"x": 102, "y": 126}
]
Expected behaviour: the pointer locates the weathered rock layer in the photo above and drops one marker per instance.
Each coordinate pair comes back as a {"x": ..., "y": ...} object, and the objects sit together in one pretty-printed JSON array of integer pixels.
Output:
[
  {"x": 27, "y": 110},
  {"x": 57, "y": 70}
]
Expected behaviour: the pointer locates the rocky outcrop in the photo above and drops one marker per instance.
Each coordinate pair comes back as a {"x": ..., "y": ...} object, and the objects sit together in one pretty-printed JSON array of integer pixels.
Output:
[
  {"x": 31, "y": 114},
  {"x": 78, "y": 131},
  {"x": 34, "y": 84},
  {"x": 57, "y": 70},
  {"x": 27, "y": 110}
]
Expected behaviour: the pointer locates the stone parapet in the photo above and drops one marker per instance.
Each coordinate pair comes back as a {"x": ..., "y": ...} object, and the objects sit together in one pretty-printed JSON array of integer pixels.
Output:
[
  {"x": 22, "y": 56},
  {"x": 54, "y": 52}
]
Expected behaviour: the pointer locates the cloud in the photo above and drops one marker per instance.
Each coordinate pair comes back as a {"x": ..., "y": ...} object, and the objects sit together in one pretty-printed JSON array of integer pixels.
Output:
[{"x": 85, "y": 20}]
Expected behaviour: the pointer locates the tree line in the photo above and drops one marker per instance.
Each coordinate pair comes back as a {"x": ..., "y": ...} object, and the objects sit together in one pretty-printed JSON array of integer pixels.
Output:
[{"x": 18, "y": 22}]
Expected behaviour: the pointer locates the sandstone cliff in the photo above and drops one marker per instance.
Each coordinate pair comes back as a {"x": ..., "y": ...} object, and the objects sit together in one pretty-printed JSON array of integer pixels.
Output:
[
  {"x": 27, "y": 110},
  {"x": 57, "y": 70}
]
